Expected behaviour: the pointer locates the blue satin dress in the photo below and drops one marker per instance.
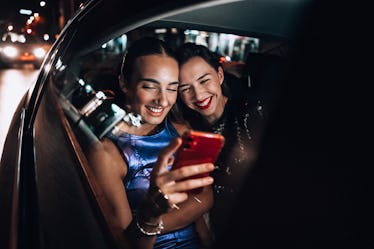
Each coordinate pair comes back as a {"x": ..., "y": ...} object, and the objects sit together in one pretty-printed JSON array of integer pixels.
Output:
[{"x": 141, "y": 153}]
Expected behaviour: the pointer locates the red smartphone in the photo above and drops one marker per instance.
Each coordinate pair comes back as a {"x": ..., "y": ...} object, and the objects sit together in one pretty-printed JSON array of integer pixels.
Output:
[{"x": 198, "y": 147}]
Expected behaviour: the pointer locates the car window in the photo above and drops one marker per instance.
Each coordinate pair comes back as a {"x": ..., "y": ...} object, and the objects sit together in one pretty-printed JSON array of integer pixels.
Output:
[
  {"x": 86, "y": 77},
  {"x": 92, "y": 77}
]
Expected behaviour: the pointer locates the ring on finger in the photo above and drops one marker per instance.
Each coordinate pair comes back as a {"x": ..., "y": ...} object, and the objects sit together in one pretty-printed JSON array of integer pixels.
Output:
[{"x": 175, "y": 206}]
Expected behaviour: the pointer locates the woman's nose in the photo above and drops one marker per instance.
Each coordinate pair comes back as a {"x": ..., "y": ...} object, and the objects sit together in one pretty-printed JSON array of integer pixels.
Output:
[
  {"x": 162, "y": 99},
  {"x": 196, "y": 93}
]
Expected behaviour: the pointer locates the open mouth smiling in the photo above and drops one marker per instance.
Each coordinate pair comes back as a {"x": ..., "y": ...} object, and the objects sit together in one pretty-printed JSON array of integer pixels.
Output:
[
  {"x": 155, "y": 111},
  {"x": 204, "y": 104}
]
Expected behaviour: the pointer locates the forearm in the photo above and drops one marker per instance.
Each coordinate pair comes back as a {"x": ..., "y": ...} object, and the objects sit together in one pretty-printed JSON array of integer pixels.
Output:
[{"x": 189, "y": 211}]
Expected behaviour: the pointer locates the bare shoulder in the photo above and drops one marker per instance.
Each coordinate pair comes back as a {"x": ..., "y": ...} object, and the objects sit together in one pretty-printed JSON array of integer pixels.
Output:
[
  {"x": 102, "y": 147},
  {"x": 104, "y": 154}
]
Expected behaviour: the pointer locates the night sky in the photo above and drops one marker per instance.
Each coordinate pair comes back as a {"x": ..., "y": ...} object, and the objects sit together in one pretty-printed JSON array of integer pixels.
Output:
[
  {"x": 6, "y": 8},
  {"x": 10, "y": 8},
  {"x": 15, "y": 5}
]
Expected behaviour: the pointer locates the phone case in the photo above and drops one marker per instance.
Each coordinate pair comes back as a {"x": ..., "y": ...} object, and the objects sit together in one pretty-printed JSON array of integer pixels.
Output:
[{"x": 198, "y": 147}]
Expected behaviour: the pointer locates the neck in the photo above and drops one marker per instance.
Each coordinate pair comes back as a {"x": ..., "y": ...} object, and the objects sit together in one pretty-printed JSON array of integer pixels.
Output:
[
  {"x": 143, "y": 130},
  {"x": 218, "y": 112}
]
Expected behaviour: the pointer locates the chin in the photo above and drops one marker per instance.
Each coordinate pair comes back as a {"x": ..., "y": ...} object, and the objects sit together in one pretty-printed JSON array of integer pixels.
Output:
[{"x": 155, "y": 121}]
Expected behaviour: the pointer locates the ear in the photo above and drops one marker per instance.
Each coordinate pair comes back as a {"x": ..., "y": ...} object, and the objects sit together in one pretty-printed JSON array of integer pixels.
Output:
[
  {"x": 122, "y": 83},
  {"x": 221, "y": 75}
]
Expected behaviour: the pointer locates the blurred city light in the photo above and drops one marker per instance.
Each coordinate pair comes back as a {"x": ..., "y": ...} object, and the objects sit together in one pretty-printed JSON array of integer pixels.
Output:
[
  {"x": 39, "y": 52},
  {"x": 25, "y": 12},
  {"x": 10, "y": 51}
]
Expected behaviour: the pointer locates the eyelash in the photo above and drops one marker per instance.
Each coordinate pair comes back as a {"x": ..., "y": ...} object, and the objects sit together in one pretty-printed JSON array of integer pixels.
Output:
[
  {"x": 154, "y": 88},
  {"x": 185, "y": 89},
  {"x": 149, "y": 87}
]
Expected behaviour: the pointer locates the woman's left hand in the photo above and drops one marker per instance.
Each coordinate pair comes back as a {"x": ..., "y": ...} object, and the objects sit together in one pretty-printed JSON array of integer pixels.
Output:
[{"x": 172, "y": 184}]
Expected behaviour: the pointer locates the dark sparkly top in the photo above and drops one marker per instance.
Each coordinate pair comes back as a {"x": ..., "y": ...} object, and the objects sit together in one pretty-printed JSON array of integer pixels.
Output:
[{"x": 241, "y": 124}]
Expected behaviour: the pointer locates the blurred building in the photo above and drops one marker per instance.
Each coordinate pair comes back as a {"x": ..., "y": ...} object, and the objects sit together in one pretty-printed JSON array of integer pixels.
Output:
[{"x": 44, "y": 18}]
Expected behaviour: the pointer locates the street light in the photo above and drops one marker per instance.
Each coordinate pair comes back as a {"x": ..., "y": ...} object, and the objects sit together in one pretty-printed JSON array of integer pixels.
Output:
[{"x": 25, "y": 12}]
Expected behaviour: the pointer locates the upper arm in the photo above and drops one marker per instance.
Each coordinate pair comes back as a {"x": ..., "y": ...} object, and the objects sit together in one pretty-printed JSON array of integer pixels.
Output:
[{"x": 109, "y": 169}]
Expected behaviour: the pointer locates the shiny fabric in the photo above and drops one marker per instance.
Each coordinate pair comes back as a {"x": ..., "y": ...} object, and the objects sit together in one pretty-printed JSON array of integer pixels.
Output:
[
  {"x": 241, "y": 124},
  {"x": 141, "y": 153},
  {"x": 182, "y": 238}
]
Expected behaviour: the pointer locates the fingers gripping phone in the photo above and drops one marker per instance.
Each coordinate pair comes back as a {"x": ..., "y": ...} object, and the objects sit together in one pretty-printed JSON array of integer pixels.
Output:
[{"x": 198, "y": 147}]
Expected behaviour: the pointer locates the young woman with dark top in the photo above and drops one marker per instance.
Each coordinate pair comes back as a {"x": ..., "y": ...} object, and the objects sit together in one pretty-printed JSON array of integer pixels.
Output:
[{"x": 206, "y": 104}]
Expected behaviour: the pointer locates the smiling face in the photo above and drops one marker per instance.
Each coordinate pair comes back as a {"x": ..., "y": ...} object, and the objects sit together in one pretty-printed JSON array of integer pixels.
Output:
[
  {"x": 153, "y": 88},
  {"x": 200, "y": 88}
]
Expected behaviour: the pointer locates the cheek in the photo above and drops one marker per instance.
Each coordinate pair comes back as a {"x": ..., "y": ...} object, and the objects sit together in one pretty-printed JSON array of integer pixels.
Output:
[
  {"x": 186, "y": 98},
  {"x": 141, "y": 98},
  {"x": 173, "y": 99},
  {"x": 189, "y": 101},
  {"x": 215, "y": 88}
]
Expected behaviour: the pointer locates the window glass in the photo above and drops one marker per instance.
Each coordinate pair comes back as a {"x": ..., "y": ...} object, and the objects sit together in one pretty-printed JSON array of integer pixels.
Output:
[{"x": 87, "y": 82}]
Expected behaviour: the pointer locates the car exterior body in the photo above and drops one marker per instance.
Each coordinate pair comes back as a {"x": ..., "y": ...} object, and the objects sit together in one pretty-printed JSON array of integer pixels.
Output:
[
  {"x": 19, "y": 49},
  {"x": 49, "y": 198}
]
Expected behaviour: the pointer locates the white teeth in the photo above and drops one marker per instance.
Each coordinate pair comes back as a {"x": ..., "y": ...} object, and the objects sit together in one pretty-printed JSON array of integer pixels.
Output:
[
  {"x": 202, "y": 104},
  {"x": 153, "y": 109}
]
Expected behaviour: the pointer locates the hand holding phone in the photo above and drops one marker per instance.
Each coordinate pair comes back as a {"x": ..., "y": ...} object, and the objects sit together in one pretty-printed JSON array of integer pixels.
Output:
[{"x": 198, "y": 147}]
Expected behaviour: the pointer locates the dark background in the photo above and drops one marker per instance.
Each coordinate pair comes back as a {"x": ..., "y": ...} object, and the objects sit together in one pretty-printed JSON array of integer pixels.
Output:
[{"x": 313, "y": 184}]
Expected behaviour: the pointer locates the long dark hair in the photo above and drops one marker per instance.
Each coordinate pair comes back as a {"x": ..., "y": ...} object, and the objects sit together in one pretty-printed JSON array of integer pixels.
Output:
[{"x": 142, "y": 47}]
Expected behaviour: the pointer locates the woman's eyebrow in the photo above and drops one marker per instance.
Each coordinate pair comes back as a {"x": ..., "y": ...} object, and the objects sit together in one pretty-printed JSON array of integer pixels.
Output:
[
  {"x": 182, "y": 85},
  {"x": 150, "y": 79},
  {"x": 157, "y": 82},
  {"x": 202, "y": 76},
  {"x": 174, "y": 83}
]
